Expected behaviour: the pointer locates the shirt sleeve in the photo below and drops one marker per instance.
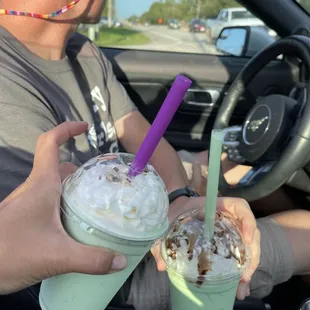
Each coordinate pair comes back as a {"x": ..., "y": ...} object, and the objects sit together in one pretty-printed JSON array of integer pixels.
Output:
[
  {"x": 23, "y": 117},
  {"x": 120, "y": 102}
]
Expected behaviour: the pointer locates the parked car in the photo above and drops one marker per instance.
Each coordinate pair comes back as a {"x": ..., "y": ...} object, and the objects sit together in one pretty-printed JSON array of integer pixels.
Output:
[
  {"x": 174, "y": 24},
  {"x": 232, "y": 17},
  {"x": 103, "y": 21},
  {"x": 197, "y": 25},
  {"x": 117, "y": 24}
]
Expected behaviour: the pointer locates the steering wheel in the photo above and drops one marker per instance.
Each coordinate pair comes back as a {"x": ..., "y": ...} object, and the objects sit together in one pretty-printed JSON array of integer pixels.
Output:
[{"x": 275, "y": 136}]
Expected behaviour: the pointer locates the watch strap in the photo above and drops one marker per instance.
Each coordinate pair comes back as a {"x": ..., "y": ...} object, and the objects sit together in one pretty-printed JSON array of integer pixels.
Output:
[{"x": 186, "y": 191}]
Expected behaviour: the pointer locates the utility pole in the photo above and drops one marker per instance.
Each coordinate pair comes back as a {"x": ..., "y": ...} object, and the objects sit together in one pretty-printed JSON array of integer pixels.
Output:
[
  {"x": 198, "y": 8},
  {"x": 110, "y": 13}
]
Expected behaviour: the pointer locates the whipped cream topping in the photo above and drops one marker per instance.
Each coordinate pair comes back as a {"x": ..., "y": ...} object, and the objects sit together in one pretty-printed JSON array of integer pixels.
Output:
[
  {"x": 104, "y": 195},
  {"x": 189, "y": 253}
]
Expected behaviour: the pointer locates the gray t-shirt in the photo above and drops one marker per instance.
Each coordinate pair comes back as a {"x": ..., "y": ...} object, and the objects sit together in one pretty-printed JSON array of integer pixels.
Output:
[{"x": 36, "y": 95}]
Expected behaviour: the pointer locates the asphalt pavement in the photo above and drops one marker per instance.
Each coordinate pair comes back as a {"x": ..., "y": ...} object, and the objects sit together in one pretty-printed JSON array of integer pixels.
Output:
[{"x": 175, "y": 40}]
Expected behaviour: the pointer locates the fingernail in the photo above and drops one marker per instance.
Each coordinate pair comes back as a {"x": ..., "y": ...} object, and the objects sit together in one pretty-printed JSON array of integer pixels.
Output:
[{"x": 119, "y": 262}]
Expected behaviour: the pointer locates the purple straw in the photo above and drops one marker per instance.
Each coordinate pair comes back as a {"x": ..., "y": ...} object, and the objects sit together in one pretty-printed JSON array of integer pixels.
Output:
[{"x": 160, "y": 124}]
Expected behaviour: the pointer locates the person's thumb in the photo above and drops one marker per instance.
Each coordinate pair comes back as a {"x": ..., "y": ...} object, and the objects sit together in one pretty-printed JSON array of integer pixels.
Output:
[
  {"x": 93, "y": 260},
  {"x": 65, "y": 169},
  {"x": 161, "y": 265}
]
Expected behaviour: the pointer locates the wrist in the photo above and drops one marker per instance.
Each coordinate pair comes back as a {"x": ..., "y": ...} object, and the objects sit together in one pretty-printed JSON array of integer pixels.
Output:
[
  {"x": 185, "y": 192},
  {"x": 180, "y": 200}
]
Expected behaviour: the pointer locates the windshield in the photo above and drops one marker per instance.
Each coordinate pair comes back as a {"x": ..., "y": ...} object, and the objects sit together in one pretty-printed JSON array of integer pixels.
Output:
[
  {"x": 305, "y": 4},
  {"x": 175, "y": 26},
  {"x": 241, "y": 15}
]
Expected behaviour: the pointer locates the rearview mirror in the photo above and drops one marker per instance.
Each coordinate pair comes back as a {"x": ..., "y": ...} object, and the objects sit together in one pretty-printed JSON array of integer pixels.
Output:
[{"x": 243, "y": 41}]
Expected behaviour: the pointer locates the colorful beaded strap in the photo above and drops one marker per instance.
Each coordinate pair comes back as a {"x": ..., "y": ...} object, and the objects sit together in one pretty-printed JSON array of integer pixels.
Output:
[{"x": 42, "y": 16}]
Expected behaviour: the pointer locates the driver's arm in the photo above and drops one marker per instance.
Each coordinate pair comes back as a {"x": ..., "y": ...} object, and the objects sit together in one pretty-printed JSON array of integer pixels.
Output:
[
  {"x": 285, "y": 250},
  {"x": 276, "y": 202},
  {"x": 296, "y": 226}
]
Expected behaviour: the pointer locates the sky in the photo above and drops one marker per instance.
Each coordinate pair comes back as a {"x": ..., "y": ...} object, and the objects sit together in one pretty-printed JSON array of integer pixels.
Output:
[{"x": 127, "y": 8}]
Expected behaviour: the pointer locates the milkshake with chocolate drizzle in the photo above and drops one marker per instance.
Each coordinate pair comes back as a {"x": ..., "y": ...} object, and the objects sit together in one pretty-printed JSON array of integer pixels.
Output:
[{"x": 204, "y": 274}]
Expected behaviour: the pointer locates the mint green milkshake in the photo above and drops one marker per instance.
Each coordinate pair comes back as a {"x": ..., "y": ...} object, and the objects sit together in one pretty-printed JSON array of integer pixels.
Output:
[
  {"x": 101, "y": 206},
  {"x": 204, "y": 275}
]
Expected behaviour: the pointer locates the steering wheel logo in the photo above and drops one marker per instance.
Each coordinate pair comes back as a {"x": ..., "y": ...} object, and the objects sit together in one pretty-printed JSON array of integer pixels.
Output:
[{"x": 255, "y": 125}]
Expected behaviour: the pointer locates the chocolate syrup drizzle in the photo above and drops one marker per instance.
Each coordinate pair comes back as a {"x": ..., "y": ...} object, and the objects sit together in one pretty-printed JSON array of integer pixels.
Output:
[{"x": 226, "y": 236}]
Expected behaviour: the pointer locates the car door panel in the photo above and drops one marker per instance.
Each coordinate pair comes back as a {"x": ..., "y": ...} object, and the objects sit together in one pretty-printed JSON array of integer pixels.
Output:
[{"x": 148, "y": 75}]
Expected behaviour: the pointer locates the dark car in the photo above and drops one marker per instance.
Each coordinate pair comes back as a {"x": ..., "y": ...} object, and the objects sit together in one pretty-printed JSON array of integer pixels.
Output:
[
  {"x": 197, "y": 25},
  {"x": 174, "y": 24}
]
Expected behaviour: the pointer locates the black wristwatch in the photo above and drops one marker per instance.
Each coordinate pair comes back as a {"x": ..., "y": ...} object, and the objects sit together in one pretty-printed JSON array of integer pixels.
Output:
[{"x": 186, "y": 191}]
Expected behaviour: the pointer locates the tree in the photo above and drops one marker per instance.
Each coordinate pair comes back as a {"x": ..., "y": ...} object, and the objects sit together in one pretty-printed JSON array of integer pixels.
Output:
[
  {"x": 211, "y": 8},
  {"x": 185, "y": 9},
  {"x": 105, "y": 11},
  {"x": 133, "y": 18}
]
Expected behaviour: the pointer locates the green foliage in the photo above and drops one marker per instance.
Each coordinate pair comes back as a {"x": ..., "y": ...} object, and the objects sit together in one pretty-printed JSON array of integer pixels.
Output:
[
  {"x": 119, "y": 37},
  {"x": 133, "y": 18},
  {"x": 185, "y": 9}
]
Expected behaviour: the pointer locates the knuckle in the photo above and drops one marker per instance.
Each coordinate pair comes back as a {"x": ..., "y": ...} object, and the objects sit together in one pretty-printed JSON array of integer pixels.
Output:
[
  {"x": 102, "y": 261},
  {"x": 42, "y": 138}
]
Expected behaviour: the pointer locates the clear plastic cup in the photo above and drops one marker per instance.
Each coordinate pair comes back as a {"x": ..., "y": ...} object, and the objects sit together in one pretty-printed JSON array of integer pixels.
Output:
[
  {"x": 101, "y": 206},
  {"x": 204, "y": 275}
]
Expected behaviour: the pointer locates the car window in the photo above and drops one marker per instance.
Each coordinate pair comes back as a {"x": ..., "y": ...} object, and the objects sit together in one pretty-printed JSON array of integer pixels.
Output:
[
  {"x": 179, "y": 26},
  {"x": 241, "y": 15},
  {"x": 224, "y": 16},
  {"x": 220, "y": 15},
  {"x": 305, "y": 4}
]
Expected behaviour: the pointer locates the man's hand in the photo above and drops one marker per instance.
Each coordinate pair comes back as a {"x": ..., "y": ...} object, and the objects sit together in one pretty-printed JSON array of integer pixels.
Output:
[
  {"x": 239, "y": 210},
  {"x": 33, "y": 242}
]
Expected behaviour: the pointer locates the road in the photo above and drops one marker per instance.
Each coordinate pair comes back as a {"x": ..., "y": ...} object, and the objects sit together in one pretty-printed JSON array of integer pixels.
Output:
[{"x": 165, "y": 39}]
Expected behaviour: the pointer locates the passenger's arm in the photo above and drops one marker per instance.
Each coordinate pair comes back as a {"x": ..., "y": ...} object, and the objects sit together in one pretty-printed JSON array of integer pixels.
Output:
[
  {"x": 131, "y": 131},
  {"x": 132, "y": 127}
]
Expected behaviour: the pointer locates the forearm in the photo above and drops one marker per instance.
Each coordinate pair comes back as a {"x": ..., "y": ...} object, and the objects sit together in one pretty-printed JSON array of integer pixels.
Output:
[
  {"x": 165, "y": 160},
  {"x": 296, "y": 225},
  {"x": 168, "y": 164}
]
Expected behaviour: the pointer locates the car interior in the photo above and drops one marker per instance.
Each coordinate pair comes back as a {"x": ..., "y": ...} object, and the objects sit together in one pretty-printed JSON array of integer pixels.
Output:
[{"x": 229, "y": 93}]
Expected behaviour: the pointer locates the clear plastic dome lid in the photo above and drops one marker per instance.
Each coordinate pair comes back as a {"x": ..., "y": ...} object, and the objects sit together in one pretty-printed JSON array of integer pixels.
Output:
[
  {"x": 101, "y": 193},
  {"x": 187, "y": 252}
]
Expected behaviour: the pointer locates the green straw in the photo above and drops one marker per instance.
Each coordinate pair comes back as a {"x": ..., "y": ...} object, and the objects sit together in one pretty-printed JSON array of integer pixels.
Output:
[{"x": 213, "y": 181}]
